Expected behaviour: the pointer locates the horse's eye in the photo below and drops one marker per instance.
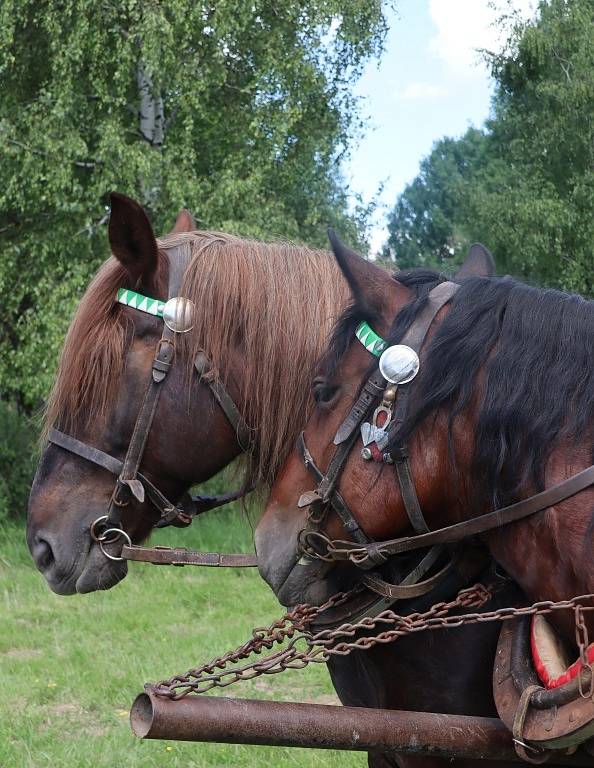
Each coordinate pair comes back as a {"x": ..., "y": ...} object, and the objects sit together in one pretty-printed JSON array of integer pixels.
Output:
[{"x": 324, "y": 393}]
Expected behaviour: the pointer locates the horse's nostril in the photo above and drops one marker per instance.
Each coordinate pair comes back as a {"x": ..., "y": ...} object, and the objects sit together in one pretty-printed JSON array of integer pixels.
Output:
[{"x": 42, "y": 553}]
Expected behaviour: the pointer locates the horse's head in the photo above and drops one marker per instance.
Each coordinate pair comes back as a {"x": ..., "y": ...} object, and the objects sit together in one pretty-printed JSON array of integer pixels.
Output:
[
  {"x": 229, "y": 386},
  {"x": 104, "y": 373},
  {"x": 493, "y": 416}
]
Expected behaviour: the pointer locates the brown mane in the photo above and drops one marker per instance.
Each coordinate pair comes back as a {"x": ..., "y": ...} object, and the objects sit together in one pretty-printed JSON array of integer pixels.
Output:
[{"x": 280, "y": 299}]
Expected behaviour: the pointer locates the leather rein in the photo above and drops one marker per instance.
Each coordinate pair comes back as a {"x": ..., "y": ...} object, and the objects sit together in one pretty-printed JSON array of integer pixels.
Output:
[
  {"x": 367, "y": 554},
  {"x": 131, "y": 483}
]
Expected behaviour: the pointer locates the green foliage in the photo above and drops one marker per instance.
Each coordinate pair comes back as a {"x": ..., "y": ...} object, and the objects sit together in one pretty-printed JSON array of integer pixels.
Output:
[
  {"x": 528, "y": 194},
  {"x": 237, "y": 110},
  {"x": 17, "y": 447},
  {"x": 424, "y": 227}
]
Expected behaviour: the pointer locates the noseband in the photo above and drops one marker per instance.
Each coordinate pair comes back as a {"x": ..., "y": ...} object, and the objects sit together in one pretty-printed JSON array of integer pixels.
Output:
[
  {"x": 362, "y": 551},
  {"x": 130, "y": 482}
]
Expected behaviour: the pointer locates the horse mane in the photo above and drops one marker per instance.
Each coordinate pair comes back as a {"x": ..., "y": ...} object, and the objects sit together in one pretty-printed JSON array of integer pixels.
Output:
[
  {"x": 531, "y": 350},
  {"x": 276, "y": 300}
]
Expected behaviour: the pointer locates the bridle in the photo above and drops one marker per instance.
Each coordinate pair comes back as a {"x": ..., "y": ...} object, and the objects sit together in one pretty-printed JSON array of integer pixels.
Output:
[
  {"x": 130, "y": 482},
  {"x": 362, "y": 551}
]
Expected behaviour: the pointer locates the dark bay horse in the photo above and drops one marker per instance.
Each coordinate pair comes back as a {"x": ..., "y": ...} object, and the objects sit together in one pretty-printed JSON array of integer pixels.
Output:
[
  {"x": 503, "y": 407},
  {"x": 262, "y": 315}
]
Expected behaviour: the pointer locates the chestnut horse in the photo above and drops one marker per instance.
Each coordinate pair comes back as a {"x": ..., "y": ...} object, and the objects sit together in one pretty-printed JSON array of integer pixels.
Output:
[
  {"x": 262, "y": 315},
  {"x": 503, "y": 407}
]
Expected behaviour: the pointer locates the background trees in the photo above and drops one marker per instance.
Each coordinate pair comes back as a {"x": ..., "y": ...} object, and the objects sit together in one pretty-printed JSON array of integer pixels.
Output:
[{"x": 524, "y": 185}]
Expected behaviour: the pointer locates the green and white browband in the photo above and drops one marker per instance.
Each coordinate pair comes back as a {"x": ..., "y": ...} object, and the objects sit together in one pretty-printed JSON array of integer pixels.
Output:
[
  {"x": 177, "y": 313},
  {"x": 370, "y": 340},
  {"x": 143, "y": 303},
  {"x": 398, "y": 364}
]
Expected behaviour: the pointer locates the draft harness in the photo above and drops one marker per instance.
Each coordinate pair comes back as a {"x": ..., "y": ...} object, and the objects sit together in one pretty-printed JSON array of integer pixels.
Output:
[
  {"x": 177, "y": 314},
  {"x": 522, "y": 703}
]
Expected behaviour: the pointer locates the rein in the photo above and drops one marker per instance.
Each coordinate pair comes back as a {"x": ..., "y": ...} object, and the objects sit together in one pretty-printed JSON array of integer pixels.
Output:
[{"x": 130, "y": 482}]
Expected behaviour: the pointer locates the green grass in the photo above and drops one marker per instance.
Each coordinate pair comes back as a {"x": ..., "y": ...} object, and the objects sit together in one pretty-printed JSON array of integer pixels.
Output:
[{"x": 71, "y": 666}]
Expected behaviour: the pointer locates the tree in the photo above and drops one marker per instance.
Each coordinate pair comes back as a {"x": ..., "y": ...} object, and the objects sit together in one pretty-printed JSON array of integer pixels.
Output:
[
  {"x": 425, "y": 226},
  {"x": 534, "y": 199},
  {"x": 238, "y": 110},
  {"x": 529, "y": 192}
]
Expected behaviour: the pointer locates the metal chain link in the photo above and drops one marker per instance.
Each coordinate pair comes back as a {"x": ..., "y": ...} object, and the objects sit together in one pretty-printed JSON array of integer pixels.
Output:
[
  {"x": 581, "y": 638},
  {"x": 302, "y": 647}
]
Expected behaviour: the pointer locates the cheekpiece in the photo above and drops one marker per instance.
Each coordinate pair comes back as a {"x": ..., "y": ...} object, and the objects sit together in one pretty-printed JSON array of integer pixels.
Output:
[
  {"x": 178, "y": 314},
  {"x": 399, "y": 364}
]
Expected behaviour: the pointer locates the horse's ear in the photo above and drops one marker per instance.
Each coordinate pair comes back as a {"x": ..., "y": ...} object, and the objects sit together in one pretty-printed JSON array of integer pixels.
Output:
[
  {"x": 185, "y": 222},
  {"x": 131, "y": 237},
  {"x": 478, "y": 263},
  {"x": 370, "y": 285}
]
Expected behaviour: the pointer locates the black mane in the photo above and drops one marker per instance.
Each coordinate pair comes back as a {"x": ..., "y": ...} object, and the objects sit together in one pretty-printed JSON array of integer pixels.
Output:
[{"x": 536, "y": 351}]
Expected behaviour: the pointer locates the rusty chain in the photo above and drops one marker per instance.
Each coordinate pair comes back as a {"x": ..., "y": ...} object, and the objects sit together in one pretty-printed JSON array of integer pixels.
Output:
[
  {"x": 302, "y": 647},
  {"x": 582, "y": 641}
]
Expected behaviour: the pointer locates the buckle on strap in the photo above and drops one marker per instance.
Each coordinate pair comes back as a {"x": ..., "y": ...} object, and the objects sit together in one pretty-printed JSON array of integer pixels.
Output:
[
  {"x": 135, "y": 486},
  {"x": 163, "y": 359}
]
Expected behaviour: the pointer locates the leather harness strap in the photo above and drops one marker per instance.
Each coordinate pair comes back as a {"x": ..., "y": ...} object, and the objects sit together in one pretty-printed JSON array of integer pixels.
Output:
[
  {"x": 243, "y": 432},
  {"x": 339, "y": 505},
  {"x": 414, "y": 338},
  {"x": 372, "y": 389},
  {"x": 326, "y": 495},
  {"x": 349, "y": 550},
  {"x": 191, "y": 505},
  {"x": 182, "y": 556},
  {"x": 411, "y": 586}
]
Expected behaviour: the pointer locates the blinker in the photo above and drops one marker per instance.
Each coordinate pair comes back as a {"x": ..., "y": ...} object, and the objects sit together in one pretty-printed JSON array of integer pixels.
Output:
[
  {"x": 399, "y": 364},
  {"x": 178, "y": 314}
]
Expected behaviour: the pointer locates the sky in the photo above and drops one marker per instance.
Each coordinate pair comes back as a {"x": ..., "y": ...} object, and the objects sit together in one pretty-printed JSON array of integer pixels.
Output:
[{"x": 431, "y": 82}]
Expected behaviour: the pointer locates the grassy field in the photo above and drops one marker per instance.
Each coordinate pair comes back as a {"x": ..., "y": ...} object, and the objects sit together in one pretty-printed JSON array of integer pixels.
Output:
[{"x": 71, "y": 666}]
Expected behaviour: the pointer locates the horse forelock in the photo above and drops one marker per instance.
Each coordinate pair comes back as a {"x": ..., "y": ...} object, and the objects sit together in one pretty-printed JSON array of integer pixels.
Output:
[{"x": 274, "y": 302}]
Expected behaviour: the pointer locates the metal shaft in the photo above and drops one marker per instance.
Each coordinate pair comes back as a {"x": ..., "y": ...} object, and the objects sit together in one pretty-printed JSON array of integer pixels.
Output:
[{"x": 245, "y": 721}]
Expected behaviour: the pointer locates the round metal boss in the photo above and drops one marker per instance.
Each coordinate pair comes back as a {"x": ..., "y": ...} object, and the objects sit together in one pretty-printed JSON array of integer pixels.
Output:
[
  {"x": 178, "y": 314},
  {"x": 399, "y": 364}
]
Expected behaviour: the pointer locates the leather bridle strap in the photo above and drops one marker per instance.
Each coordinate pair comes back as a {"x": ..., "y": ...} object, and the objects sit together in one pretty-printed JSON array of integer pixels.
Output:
[
  {"x": 414, "y": 338},
  {"x": 193, "y": 505},
  {"x": 244, "y": 434},
  {"x": 347, "y": 434},
  {"x": 367, "y": 556},
  {"x": 181, "y": 556},
  {"x": 336, "y": 501},
  {"x": 128, "y": 481},
  {"x": 411, "y": 586}
]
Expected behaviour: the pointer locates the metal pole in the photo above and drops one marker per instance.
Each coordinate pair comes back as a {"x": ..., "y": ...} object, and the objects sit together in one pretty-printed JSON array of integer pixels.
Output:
[{"x": 245, "y": 721}]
